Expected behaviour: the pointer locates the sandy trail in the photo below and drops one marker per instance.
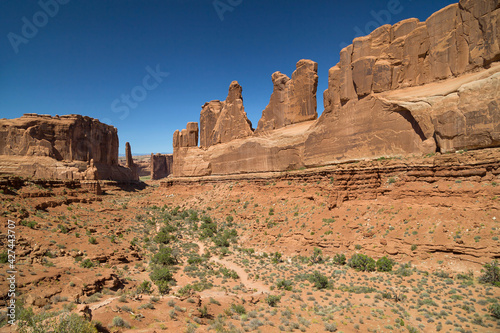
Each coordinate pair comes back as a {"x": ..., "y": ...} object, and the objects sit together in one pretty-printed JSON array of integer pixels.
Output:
[{"x": 257, "y": 286}]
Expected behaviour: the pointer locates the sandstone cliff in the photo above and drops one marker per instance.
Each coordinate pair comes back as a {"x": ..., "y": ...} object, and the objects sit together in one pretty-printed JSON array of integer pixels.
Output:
[
  {"x": 222, "y": 122},
  {"x": 292, "y": 101},
  {"x": 64, "y": 147},
  {"x": 410, "y": 88}
]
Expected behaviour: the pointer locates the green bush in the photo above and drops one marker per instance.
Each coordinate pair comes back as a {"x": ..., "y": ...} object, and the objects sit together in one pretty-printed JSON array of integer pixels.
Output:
[
  {"x": 162, "y": 277},
  {"x": 384, "y": 264},
  {"x": 319, "y": 280},
  {"x": 47, "y": 322},
  {"x": 276, "y": 258},
  {"x": 494, "y": 310},
  {"x": 4, "y": 257},
  {"x": 330, "y": 327},
  {"x": 87, "y": 263},
  {"x": 361, "y": 262},
  {"x": 238, "y": 308},
  {"x": 317, "y": 255},
  {"x": 491, "y": 274},
  {"x": 405, "y": 270},
  {"x": 164, "y": 236},
  {"x": 144, "y": 287},
  {"x": 284, "y": 284},
  {"x": 339, "y": 259},
  {"x": 92, "y": 240},
  {"x": 164, "y": 257},
  {"x": 208, "y": 228},
  {"x": 225, "y": 238},
  {"x": 273, "y": 300},
  {"x": 119, "y": 322}
]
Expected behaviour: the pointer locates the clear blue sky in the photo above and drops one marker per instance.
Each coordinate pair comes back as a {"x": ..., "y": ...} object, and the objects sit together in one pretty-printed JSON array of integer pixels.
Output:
[{"x": 85, "y": 55}]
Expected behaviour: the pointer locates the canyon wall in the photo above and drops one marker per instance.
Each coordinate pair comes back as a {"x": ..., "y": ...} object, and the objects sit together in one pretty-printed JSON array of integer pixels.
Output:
[
  {"x": 62, "y": 147},
  {"x": 411, "y": 88}
]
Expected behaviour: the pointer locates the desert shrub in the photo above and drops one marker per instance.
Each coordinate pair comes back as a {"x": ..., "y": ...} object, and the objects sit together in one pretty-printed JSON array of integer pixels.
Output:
[
  {"x": 87, "y": 263},
  {"x": 284, "y": 284},
  {"x": 316, "y": 257},
  {"x": 225, "y": 238},
  {"x": 162, "y": 277},
  {"x": 92, "y": 240},
  {"x": 164, "y": 257},
  {"x": 229, "y": 273},
  {"x": 319, "y": 280},
  {"x": 384, "y": 264},
  {"x": 208, "y": 228},
  {"x": 491, "y": 274},
  {"x": 144, "y": 287},
  {"x": 193, "y": 216},
  {"x": 405, "y": 270},
  {"x": 276, "y": 258},
  {"x": 494, "y": 310},
  {"x": 146, "y": 306},
  {"x": 273, "y": 300},
  {"x": 195, "y": 259},
  {"x": 4, "y": 257},
  {"x": 119, "y": 322},
  {"x": 330, "y": 327},
  {"x": 238, "y": 308},
  {"x": 63, "y": 228},
  {"x": 362, "y": 263},
  {"x": 164, "y": 236},
  {"x": 203, "y": 311},
  {"x": 46, "y": 322},
  {"x": 339, "y": 259}
]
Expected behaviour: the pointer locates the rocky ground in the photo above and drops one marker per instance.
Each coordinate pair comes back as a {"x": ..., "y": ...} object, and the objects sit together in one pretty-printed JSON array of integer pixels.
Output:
[{"x": 264, "y": 253}]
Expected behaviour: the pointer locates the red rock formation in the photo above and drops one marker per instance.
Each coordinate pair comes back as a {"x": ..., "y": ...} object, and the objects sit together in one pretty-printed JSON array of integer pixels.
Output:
[
  {"x": 411, "y": 88},
  {"x": 68, "y": 138},
  {"x": 232, "y": 122},
  {"x": 161, "y": 165},
  {"x": 92, "y": 186},
  {"x": 130, "y": 161},
  {"x": 208, "y": 119},
  {"x": 187, "y": 137},
  {"x": 292, "y": 101},
  {"x": 62, "y": 147}
]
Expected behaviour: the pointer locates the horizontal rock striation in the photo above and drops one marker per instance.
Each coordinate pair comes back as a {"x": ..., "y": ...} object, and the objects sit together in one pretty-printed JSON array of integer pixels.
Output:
[{"x": 60, "y": 147}]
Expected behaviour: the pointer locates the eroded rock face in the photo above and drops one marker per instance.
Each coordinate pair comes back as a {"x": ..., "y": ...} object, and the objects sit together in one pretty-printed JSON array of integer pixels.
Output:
[
  {"x": 60, "y": 147},
  {"x": 232, "y": 122},
  {"x": 208, "y": 119},
  {"x": 161, "y": 165},
  {"x": 407, "y": 89},
  {"x": 187, "y": 137},
  {"x": 130, "y": 162},
  {"x": 293, "y": 100},
  {"x": 454, "y": 40},
  {"x": 68, "y": 138}
]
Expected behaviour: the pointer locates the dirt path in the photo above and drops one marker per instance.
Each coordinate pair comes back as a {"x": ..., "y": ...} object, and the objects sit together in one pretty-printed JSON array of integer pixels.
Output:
[{"x": 257, "y": 286}]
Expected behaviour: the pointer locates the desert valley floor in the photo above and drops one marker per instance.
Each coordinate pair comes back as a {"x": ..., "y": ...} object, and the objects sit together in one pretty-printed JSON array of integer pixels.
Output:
[{"x": 281, "y": 252}]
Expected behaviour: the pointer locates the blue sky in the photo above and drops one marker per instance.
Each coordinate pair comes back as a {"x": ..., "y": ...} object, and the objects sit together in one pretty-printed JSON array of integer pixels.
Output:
[{"x": 87, "y": 56}]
